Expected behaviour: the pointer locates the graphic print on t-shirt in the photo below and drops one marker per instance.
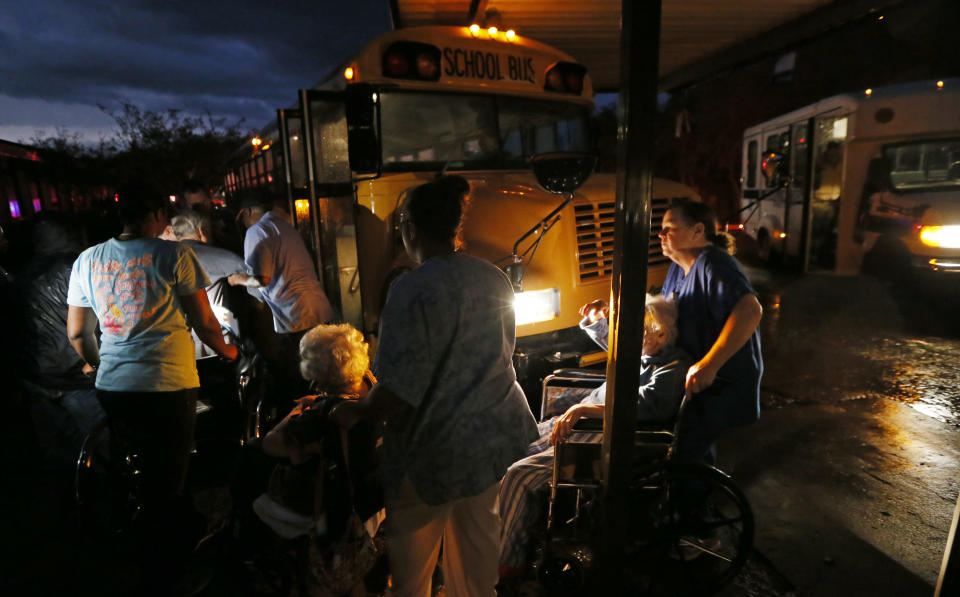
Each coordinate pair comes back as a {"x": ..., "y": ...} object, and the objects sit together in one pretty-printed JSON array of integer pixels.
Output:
[{"x": 120, "y": 292}]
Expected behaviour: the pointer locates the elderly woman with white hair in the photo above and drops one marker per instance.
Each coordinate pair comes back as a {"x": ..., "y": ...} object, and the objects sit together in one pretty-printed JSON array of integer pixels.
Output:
[
  {"x": 662, "y": 375},
  {"x": 329, "y": 484}
]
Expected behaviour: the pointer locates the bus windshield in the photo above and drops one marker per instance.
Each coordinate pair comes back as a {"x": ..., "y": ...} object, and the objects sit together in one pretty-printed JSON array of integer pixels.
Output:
[
  {"x": 464, "y": 132},
  {"x": 924, "y": 164}
]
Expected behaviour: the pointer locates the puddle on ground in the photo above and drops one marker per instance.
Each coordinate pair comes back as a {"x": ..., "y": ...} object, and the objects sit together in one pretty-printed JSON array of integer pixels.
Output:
[{"x": 829, "y": 340}]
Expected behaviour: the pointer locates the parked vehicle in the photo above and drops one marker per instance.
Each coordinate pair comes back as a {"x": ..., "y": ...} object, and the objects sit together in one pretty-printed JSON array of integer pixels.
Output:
[{"x": 867, "y": 180}]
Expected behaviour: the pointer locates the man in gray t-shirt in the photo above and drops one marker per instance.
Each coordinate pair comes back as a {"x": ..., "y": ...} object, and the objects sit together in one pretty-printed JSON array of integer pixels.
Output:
[{"x": 192, "y": 228}]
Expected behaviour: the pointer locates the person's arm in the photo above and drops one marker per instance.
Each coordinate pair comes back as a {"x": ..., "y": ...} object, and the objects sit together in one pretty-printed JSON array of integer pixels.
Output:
[
  {"x": 740, "y": 325},
  {"x": 81, "y": 323},
  {"x": 201, "y": 318},
  {"x": 248, "y": 280},
  {"x": 595, "y": 323},
  {"x": 379, "y": 404},
  {"x": 566, "y": 421},
  {"x": 258, "y": 252}
]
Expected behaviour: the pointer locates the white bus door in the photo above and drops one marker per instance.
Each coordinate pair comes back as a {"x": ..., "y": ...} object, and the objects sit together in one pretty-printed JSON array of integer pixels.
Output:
[
  {"x": 829, "y": 135},
  {"x": 772, "y": 213},
  {"x": 797, "y": 191},
  {"x": 330, "y": 203}
]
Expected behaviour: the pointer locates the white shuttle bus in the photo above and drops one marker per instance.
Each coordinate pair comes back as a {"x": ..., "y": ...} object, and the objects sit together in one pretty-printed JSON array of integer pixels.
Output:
[{"x": 867, "y": 180}]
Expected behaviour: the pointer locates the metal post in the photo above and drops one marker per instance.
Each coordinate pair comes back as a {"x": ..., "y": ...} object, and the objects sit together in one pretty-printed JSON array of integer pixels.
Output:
[
  {"x": 639, "y": 56},
  {"x": 309, "y": 153},
  {"x": 287, "y": 165}
]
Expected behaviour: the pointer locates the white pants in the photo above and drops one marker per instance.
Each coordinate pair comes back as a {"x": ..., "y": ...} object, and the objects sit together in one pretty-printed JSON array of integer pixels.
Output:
[{"x": 470, "y": 531}]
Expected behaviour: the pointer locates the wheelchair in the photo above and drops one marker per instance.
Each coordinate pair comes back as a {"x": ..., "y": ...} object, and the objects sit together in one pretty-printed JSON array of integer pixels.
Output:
[{"x": 690, "y": 527}]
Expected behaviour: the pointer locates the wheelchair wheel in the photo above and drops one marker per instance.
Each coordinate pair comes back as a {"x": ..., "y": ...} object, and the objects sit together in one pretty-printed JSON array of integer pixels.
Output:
[
  {"x": 106, "y": 493},
  {"x": 692, "y": 529}
]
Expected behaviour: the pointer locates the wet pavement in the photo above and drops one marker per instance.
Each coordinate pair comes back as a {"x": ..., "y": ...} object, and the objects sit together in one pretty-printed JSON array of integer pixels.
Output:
[{"x": 853, "y": 468}]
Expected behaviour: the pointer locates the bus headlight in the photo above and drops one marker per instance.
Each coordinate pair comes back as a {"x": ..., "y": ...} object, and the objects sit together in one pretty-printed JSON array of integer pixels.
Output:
[
  {"x": 536, "y": 305},
  {"x": 944, "y": 237}
]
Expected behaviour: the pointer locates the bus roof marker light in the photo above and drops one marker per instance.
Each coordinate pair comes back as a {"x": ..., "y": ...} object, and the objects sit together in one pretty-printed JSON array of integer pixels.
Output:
[
  {"x": 511, "y": 35},
  {"x": 868, "y": 91},
  {"x": 256, "y": 141},
  {"x": 492, "y": 32},
  {"x": 939, "y": 85},
  {"x": 348, "y": 73},
  {"x": 474, "y": 29}
]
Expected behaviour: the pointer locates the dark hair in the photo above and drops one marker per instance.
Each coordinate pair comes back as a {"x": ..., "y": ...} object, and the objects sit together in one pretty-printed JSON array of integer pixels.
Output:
[
  {"x": 136, "y": 201},
  {"x": 436, "y": 208},
  {"x": 697, "y": 212}
]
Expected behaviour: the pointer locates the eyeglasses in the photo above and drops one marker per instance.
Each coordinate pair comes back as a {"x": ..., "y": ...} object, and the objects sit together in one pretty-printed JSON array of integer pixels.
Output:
[{"x": 403, "y": 218}]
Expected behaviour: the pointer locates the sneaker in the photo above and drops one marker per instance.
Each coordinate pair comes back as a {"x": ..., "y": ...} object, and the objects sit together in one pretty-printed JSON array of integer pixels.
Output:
[{"x": 690, "y": 548}]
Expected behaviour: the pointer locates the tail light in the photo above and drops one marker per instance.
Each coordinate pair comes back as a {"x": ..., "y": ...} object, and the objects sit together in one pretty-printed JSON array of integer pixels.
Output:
[
  {"x": 412, "y": 60},
  {"x": 565, "y": 77},
  {"x": 734, "y": 227}
]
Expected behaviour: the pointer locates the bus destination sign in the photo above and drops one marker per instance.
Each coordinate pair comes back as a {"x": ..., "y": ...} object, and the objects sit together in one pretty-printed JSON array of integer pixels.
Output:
[{"x": 477, "y": 64}]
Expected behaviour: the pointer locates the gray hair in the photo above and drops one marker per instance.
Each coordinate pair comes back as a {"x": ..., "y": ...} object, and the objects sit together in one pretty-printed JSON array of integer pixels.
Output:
[
  {"x": 662, "y": 314},
  {"x": 189, "y": 224},
  {"x": 334, "y": 357}
]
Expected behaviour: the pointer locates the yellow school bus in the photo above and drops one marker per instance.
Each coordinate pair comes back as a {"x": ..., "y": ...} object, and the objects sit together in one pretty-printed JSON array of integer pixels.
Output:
[{"x": 418, "y": 102}]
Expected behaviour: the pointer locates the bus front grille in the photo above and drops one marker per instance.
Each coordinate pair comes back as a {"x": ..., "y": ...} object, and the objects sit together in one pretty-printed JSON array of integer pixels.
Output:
[{"x": 595, "y": 223}]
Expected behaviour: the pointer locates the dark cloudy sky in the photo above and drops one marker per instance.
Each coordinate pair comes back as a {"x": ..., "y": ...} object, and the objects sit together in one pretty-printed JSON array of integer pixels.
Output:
[{"x": 59, "y": 59}]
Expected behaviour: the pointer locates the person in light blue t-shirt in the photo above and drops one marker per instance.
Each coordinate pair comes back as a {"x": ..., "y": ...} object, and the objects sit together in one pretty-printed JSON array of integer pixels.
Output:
[{"x": 145, "y": 293}]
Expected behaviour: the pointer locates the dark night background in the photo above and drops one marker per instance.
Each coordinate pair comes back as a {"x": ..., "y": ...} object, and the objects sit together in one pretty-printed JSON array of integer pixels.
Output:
[{"x": 236, "y": 60}]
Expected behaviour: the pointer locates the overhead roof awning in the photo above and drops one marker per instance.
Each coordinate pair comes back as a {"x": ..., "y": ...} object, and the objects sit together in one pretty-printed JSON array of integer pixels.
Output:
[{"x": 698, "y": 37}]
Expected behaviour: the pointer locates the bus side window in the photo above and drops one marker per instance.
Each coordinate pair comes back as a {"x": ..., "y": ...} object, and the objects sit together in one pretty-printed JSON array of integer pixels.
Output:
[
  {"x": 801, "y": 157},
  {"x": 752, "y": 164},
  {"x": 512, "y": 143}
]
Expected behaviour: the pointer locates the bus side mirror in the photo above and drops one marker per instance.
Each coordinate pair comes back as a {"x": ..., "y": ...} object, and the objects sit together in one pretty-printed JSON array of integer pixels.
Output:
[
  {"x": 774, "y": 169},
  {"x": 363, "y": 120},
  {"x": 562, "y": 172}
]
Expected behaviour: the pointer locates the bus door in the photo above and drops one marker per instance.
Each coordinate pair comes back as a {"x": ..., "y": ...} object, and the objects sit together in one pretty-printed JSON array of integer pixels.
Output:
[
  {"x": 290, "y": 125},
  {"x": 797, "y": 190},
  {"x": 751, "y": 184},
  {"x": 829, "y": 136},
  {"x": 773, "y": 214},
  {"x": 330, "y": 206}
]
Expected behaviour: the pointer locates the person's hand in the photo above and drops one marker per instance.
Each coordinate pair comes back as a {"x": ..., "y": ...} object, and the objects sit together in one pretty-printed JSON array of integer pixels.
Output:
[
  {"x": 232, "y": 353},
  {"x": 596, "y": 310},
  {"x": 700, "y": 376},
  {"x": 88, "y": 369},
  {"x": 347, "y": 413},
  {"x": 564, "y": 426}
]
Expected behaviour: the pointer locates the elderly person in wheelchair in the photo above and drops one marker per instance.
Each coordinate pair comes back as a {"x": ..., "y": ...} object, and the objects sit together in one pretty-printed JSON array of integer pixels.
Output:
[
  {"x": 326, "y": 496},
  {"x": 662, "y": 377}
]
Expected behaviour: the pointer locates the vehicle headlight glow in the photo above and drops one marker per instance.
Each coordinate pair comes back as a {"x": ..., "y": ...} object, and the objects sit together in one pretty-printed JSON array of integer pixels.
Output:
[
  {"x": 536, "y": 305},
  {"x": 945, "y": 237}
]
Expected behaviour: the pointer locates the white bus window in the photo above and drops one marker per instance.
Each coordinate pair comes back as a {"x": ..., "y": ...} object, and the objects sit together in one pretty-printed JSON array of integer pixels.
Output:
[
  {"x": 801, "y": 156},
  {"x": 752, "y": 164},
  {"x": 924, "y": 164}
]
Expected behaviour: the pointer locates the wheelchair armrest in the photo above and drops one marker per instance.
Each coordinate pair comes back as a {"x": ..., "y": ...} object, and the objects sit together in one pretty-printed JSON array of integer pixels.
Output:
[
  {"x": 580, "y": 373},
  {"x": 588, "y": 425},
  {"x": 645, "y": 427}
]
